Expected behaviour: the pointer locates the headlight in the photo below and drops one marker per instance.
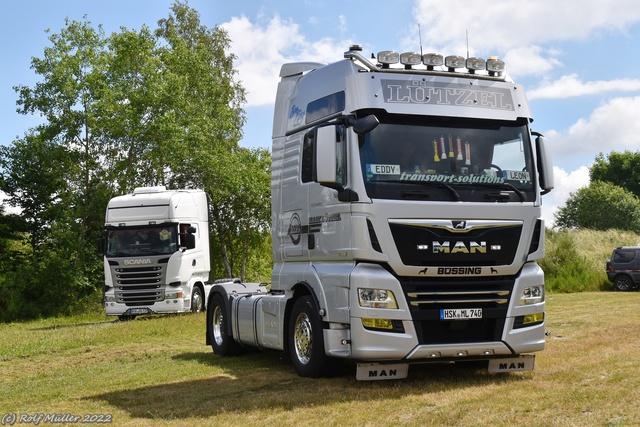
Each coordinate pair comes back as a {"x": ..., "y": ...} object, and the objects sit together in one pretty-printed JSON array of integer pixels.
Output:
[
  {"x": 109, "y": 298},
  {"x": 532, "y": 295},
  {"x": 376, "y": 298},
  {"x": 173, "y": 295}
]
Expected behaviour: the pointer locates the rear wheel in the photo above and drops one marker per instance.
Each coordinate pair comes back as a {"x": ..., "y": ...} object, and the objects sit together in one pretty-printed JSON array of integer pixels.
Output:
[
  {"x": 623, "y": 283},
  {"x": 306, "y": 342},
  {"x": 222, "y": 343}
]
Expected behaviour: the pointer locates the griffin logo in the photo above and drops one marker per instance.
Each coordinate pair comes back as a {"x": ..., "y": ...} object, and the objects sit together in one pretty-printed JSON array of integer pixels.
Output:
[{"x": 459, "y": 225}]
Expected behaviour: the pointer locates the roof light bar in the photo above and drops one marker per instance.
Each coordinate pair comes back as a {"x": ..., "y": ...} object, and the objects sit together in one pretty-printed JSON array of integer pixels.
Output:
[
  {"x": 432, "y": 60},
  {"x": 410, "y": 58},
  {"x": 474, "y": 64},
  {"x": 387, "y": 57},
  {"x": 454, "y": 61},
  {"x": 495, "y": 66}
]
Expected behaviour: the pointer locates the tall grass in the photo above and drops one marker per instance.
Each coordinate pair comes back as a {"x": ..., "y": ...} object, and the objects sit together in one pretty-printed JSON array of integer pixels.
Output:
[{"x": 575, "y": 260}]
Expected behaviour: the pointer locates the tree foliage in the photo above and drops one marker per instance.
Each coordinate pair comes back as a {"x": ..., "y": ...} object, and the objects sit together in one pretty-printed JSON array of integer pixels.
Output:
[
  {"x": 621, "y": 169},
  {"x": 600, "y": 206},
  {"x": 135, "y": 108}
]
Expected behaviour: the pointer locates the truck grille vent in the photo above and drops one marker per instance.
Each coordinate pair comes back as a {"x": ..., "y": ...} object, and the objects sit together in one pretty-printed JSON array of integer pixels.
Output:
[
  {"x": 427, "y": 299},
  {"x": 429, "y": 243},
  {"x": 139, "y": 285}
]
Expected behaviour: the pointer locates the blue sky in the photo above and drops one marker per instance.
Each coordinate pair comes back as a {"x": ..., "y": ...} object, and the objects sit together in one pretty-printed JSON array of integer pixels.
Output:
[{"x": 576, "y": 58}]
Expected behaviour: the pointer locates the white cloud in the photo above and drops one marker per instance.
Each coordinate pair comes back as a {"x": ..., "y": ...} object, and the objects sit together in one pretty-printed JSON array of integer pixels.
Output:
[
  {"x": 530, "y": 60},
  {"x": 570, "y": 85},
  {"x": 565, "y": 184},
  {"x": 512, "y": 23},
  {"x": 262, "y": 48},
  {"x": 613, "y": 126},
  {"x": 516, "y": 29}
]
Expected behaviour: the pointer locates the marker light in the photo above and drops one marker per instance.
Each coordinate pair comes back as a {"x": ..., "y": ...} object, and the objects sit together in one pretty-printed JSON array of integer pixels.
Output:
[
  {"x": 474, "y": 64},
  {"x": 376, "y": 298},
  {"x": 410, "y": 58},
  {"x": 432, "y": 60},
  {"x": 387, "y": 57},
  {"x": 452, "y": 62},
  {"x": 495, "y": 66}
]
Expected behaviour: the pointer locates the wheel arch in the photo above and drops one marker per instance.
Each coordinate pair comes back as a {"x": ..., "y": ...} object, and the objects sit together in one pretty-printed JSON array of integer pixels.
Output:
[
  {"x": 633, "y": 284},
  {"x": 300, "y": 289},
  {"x": 200, "y": 285},
  {"x": 224, "y": 291}
]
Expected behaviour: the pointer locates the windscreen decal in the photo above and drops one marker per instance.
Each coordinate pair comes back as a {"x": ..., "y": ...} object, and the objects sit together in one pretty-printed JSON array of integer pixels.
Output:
[
  {"x": 374, "y": 169},
  {"x": 457, "y": 95},
  {"x": 487, "y": 177}
]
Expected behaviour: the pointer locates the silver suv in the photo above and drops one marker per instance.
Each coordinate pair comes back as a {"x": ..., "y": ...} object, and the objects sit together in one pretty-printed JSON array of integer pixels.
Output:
[{"x": 623, "y": 269}]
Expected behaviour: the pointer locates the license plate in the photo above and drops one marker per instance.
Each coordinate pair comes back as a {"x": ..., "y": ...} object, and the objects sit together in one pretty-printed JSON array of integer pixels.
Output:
[
  {"x": 460, "y": 313},
  {"x": 379, "y": 371},
  {"x": 139, "y": 310}
]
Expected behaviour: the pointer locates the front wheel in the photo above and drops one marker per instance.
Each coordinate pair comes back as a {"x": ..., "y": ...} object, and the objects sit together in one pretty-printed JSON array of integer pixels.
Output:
[
  {"x": 222, "y": 343},
  {"x": 197, "y": 300},
  {"x": 623, "y": 283},
  {"x": 306, "y": 342}
]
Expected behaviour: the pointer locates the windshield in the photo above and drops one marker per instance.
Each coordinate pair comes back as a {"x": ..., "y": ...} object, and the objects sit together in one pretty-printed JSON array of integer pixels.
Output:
[
  {"x": 444, "y": 158},
  {"x": 148, "y": 240}
]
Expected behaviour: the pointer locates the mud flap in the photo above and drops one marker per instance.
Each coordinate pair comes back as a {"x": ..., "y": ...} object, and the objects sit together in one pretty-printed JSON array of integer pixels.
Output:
[
  {"x": 380, "y": 371},
  {"x": 512, "y": 364}
]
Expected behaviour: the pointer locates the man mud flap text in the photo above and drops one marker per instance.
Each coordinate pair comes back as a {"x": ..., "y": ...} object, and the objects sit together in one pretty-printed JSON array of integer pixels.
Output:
[
  {"x": 512, "y": 364},
  {"x": 379, "y": 371}
]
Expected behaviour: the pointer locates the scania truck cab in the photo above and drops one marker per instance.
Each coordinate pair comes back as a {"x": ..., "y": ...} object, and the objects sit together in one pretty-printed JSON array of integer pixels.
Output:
[
  {"x": 156, "y": 252},
  {"x": 406, "y": 220}
]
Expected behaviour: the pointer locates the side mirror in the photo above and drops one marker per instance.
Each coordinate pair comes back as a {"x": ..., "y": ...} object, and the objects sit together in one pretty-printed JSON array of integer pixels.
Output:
[
  {"x": 365, "y": 124},
  {"x": 326, "y": 167},
  {"x": 190, "y": 238},
  {"x": 102, "y": 242},
  {"x": 545, "y": 165}
]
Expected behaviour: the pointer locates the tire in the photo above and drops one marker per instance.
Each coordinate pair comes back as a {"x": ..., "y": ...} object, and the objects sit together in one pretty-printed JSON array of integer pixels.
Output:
[
  {"x": 197, "y": 300},
  {"x": 222, "y": 343},
  {"x": 306, "y": 342},
  {"x": 623, "y": 283}
]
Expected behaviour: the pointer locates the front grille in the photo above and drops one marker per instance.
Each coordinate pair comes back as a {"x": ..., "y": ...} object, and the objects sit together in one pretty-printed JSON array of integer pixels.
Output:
[
  {"x": 139, "y": 285},
  {"x": 427, "y": 298},
  {"x": 444, "y": 243}
]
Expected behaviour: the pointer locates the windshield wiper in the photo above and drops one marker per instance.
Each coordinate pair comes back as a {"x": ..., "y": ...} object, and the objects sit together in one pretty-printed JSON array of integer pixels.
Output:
[
  {"x": 506, "y": 185},
  {"x": 447, "y": 187}
]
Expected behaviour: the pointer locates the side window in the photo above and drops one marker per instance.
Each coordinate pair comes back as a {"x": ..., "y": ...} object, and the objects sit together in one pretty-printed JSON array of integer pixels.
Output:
[
  {"x": 183, "y": 234},
  {"x": 623, "y": 257}
]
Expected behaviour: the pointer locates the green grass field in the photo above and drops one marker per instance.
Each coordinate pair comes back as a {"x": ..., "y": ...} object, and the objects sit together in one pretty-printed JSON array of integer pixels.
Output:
[{"x": 157, "y": 371}]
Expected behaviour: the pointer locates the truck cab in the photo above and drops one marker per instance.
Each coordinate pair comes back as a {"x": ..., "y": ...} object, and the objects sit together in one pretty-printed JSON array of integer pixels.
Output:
[
  {"x": 406, "y": 219},
  {"x": 156, "y": 252}
]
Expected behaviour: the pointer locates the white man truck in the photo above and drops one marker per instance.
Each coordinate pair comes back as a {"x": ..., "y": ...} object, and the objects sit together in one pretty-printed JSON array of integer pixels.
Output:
[
  {"x": 156, "y": 252},
  {"x": 406, "y": 220}
]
